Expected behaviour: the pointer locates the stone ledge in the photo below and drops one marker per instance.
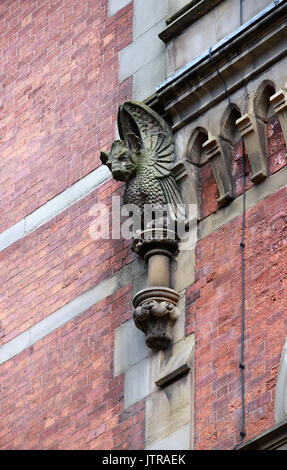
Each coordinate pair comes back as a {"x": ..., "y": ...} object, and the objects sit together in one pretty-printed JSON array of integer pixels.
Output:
[
  {"x": 185, "y": 17},
  {"x": 179, "y": 363},
  {"x": 272, "y": 439}
]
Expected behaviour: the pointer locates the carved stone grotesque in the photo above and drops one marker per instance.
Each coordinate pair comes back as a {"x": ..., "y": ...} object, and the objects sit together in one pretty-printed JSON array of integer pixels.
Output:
[
  {"x": 143, "y": 159},
  {"x": 155, "y": 314}
]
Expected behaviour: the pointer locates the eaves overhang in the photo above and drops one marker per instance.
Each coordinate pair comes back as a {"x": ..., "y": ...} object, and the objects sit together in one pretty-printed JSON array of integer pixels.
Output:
[{"x": 241, "y": 56}]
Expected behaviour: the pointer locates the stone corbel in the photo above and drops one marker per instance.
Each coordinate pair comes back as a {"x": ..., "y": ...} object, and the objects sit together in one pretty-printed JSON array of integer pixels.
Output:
[
  {"x": 221, "y": 169},
  {"x": 279, "y": 101},
  {"x": 252, "y": 130}
]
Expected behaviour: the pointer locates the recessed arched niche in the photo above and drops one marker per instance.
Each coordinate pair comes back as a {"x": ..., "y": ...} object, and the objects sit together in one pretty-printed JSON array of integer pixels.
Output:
[
  {"x": 263, "y": 108},
  {"x": 271, "y": 130},
  {"x": 234, "y": 148},
  {"x": 207, "y": 187},
  {"x": 195, "y": 153},
  {"x": 228, "y": 128}
]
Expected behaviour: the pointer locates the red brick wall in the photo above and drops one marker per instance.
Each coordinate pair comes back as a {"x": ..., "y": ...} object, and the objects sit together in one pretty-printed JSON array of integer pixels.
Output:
[
  {"x": 59, "y": 95},
  {"x": 61, "y": 394},
  {"x": 276, "y": 152},
  {"x": 214, "y": 315},
  {"x": 56, "y": 263}
]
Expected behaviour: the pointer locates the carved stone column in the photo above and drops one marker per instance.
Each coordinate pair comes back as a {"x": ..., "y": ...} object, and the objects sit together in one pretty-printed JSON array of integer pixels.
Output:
[
  {"x": 144, "y": 160},
  {"x": 155, "y": 307}
]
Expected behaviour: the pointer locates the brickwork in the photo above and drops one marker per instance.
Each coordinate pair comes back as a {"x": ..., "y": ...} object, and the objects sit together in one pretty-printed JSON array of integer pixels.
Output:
[
  {"x": 276, "y": 152},
  {"x": 56, "y": 263},
  {"x": 214, "y": 314},
  {"x": 59, "y": 96},
  {"x": 61, "y": 393}
]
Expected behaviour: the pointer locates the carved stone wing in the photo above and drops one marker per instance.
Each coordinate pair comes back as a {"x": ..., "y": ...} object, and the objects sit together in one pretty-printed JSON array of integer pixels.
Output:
[{"x": 145, "y": 132}]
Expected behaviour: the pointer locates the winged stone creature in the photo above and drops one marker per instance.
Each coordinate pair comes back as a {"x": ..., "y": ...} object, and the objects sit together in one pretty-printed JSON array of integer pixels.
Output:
[{"x": 143, "y": 158}]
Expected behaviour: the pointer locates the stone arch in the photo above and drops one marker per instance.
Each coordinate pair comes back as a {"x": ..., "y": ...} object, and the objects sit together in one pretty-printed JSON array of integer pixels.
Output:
[
  {"x": 195, "y": 153},
  {"x": 271, "y": 123},
  {"x": 262, "y": 107},
  {"x": 228, "y": 128}
]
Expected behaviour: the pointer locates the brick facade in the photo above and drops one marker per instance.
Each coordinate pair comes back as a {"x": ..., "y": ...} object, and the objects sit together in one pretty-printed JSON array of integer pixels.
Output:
[
  {"x": 59, "y": 96},
  {"x": 214, "y": 314}
]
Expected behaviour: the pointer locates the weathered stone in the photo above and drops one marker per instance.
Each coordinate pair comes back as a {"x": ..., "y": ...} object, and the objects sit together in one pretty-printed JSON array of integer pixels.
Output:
[
  {"x": 252, "y": 130},
  {"x": 185, "y": 102},
  {"x": 168, "y": 410},
  {"x": 250, "y": 9},
  {"x": 216, "y": 154},
  {"x": 175, "y": 5},
  {"x": 254, "y": 195},
  {"x": 178, "y": 331},
  {"x": 117, "y": 5},
  {"x": 144, "y": 158},
  {"x": 137, "y": 382},
  {"x": 130, "y": 347},
  {"x": 155, "y": 313},
  {"x": 183, "y": 269},
  {"x": 179, "y": 440},
  {"x": 179, "y": 361},
  {"x": 140, "y": 52},
  {"x": 190, "y": 13},
  {"x": 187, "y": 175}
]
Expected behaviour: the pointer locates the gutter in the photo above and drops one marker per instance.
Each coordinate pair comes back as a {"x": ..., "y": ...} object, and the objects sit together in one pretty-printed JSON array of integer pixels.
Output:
[{"x": 228, "y": 40}]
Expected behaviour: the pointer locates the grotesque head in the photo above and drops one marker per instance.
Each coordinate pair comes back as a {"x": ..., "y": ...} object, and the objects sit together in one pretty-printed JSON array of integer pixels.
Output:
[{"x": 119, "y": 160}]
